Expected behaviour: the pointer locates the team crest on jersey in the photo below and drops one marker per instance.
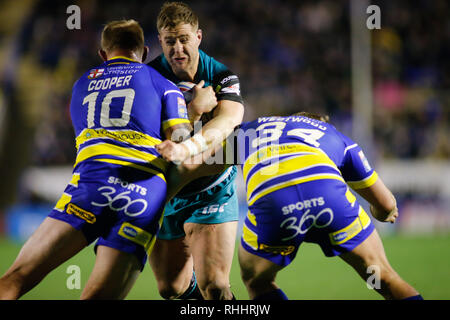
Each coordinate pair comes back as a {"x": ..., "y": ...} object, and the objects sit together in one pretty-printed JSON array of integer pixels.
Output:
[
  {"x": 95, "y": 73},
  {"x": 181, "y": 102},
  {"x": 182, "y": 111}
]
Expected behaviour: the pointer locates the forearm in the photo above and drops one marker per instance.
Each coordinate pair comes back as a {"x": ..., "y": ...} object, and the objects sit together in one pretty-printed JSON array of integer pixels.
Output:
[
  {"x": 382, "y": 201},
  {"x": 227, "y": 115}
]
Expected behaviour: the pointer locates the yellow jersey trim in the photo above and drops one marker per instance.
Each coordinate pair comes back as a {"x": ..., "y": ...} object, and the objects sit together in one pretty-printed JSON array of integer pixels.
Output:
[
  {"x": 251, "y": 217},
  {"x": 360, "y": 223},
  {"x": 134, "y": 165},
  {"x": 126, "y": 136},
  {"x": 367, "y": 182},
  {"x": 172, "y": 122},
  {"x": 313, "y": 177},
  {"x": 288, "y": 166},
  {"x": 272, "y": 151},
  {"x": 122, "y": 57},
  {"x": 110, "y": 64},
  {"x": 75, "y": 179},
  {"x": 130, "y": 154},
  {"x": 62, "y": 202},
  {"x": 250, "y": 238},
  {"x": 137, "y": 235}
]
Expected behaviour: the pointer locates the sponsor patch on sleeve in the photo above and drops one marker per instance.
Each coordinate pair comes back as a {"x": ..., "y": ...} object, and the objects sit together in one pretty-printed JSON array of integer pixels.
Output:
[{"x": 364, "y": 161}]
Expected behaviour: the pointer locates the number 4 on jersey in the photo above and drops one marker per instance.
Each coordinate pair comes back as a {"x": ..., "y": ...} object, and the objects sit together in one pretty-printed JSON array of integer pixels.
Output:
[
  {"x": 308, "y": 135},
  {"x": 269, "y": 134}
]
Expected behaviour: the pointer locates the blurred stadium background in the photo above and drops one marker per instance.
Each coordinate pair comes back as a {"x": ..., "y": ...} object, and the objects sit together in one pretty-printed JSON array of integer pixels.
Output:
[{"x": 388, "y": 88}]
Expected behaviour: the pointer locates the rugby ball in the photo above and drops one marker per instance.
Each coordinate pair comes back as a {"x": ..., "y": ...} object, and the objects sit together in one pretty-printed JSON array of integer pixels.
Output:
[{"x": 186, "y": 88}]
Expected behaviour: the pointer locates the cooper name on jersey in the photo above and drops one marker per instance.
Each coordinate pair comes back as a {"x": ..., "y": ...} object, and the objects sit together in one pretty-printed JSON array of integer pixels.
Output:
[{"x": 123, "y": 75}]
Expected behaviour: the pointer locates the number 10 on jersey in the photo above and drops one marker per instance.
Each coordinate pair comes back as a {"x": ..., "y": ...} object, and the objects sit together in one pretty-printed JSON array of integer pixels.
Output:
[{"x": 105, "y": 119}]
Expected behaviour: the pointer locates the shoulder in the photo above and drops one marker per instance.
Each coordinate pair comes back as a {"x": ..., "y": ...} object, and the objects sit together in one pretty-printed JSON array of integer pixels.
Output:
[
  {"x": 159, "y": 82},
  {"x": 213, "y": 66},
  {"x": 161, "y": 65},
  {"x": 157, "y": 62},
  {"x": 89, "y": 75}
]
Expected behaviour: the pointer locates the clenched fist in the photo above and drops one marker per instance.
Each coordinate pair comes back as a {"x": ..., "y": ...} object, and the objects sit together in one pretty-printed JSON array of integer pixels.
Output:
[{"x": 171, "y": 151}]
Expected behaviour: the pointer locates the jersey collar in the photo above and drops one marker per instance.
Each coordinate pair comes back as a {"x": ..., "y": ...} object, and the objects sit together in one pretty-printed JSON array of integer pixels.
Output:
[{"x": 120, "y": 60}]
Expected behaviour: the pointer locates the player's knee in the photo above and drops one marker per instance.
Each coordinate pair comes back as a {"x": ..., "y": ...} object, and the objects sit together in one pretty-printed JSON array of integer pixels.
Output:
[
  {"x": 12, "y": 284},
  {"x": 385, "y": 278},
  {"x": 256, "y": 281},
  {"x": 170, "y": 291},
  {"x": 216, "y": 290}
]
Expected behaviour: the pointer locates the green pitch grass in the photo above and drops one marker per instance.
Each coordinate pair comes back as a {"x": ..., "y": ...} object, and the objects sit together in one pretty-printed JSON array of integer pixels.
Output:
[{"x": 423, "y": 261}]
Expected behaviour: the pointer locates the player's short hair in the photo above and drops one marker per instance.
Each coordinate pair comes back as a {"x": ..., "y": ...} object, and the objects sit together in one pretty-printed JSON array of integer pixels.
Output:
[
  {"x": 123, "y": 34},
  {"x": 311, "y": 115},
  {"x": 174, "y": 13}
]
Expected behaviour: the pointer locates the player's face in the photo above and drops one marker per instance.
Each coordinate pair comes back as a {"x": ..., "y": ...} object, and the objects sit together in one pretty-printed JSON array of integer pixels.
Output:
[{"x": 180, "y": 47}]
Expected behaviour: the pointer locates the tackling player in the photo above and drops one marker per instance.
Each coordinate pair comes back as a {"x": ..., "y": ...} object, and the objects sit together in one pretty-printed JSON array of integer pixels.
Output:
[
  {"x": 199, "y": 226},
  {"x": 120, "y": 110},
  {"x": 298, "y": 171}
]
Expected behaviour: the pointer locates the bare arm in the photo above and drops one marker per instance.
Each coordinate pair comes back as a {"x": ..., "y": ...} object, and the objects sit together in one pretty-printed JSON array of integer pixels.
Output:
[
  {"x": 227, "y": 115},
  {"x": 383, "y": 205}
]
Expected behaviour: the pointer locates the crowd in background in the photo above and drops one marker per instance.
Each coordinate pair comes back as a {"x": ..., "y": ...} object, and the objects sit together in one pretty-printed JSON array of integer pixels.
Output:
[{"x": 290, "y": 56}]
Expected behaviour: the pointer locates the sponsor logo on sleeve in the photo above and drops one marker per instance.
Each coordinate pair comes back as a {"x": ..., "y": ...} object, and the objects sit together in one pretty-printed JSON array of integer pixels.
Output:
[{"x": 364, "y": 161}]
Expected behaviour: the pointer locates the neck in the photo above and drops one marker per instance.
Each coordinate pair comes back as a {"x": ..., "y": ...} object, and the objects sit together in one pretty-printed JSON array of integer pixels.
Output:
[{"x": 123, "y": 53}]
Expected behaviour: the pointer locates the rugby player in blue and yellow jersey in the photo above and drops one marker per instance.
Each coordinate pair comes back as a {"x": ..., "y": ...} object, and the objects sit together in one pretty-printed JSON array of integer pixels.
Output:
[
  {"x": 298, "y": 172},
  {"x": 120, "y": 110},
  {"x": 199, "y": 226}
]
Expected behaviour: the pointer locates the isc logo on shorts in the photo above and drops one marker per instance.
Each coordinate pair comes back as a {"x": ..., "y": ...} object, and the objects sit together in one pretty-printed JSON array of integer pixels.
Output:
[{"x": 214, "y": 208}]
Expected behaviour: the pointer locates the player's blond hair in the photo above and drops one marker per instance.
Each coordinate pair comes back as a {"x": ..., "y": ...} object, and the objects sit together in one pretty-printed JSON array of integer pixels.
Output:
[
  {"x": 174, "y": 13},
  {"x": 123, "y": 34},
  {"x": 311, "y": 115}
]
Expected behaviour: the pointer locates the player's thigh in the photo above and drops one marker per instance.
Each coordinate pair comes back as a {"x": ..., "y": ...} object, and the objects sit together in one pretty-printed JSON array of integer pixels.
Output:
[
  {"x": 369, "y": 253},
  {"x": 51, "y": 244},
  {"x": 171, "y": 261},
  {"x": 113, "y": 276},
  {"x": 255, "y": 268},
  {"x": 212, "y": 246}
]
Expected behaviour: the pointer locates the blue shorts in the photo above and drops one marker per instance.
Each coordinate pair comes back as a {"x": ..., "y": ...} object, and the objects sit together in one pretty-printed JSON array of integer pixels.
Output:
[
  {"x": 216, "y": 204},
  {"x": 324, "y": 212},
  {"x": 121, "y": 206}
]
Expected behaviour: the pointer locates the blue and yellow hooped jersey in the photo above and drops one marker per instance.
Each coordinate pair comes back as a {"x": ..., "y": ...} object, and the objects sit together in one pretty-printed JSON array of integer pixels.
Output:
[
  {"x": 120, "y": 110},
  {"x": 278, "y": 152},
  {"x": 225, "y": 84}
]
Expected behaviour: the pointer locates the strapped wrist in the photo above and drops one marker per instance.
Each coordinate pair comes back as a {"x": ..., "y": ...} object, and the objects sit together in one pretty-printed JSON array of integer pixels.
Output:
[{"x": 197, "y": 144}]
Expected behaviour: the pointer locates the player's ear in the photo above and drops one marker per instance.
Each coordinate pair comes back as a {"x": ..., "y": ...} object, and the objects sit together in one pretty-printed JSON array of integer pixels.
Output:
[
  {"x": 145, "y": 53},
  {"x": 199, "y": 35},
  {"x": 102, "y": 54}
]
